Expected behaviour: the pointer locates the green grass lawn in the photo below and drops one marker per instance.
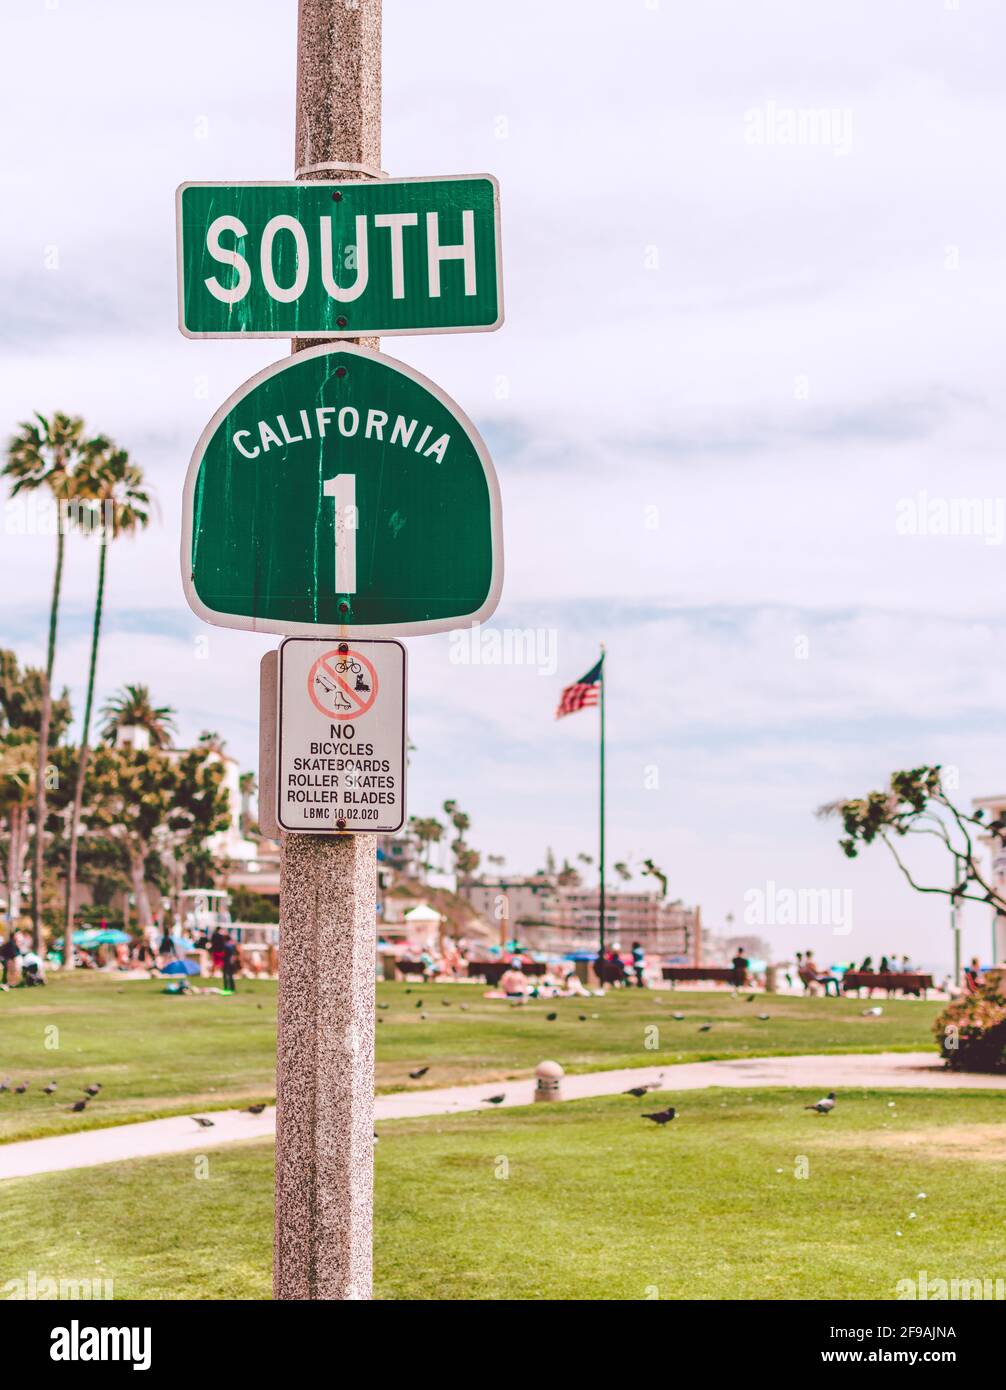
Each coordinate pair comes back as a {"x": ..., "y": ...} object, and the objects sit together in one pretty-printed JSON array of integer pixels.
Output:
[
  {"x": 596, "y": 1203},
  {"x": 157, "y": 1055}
]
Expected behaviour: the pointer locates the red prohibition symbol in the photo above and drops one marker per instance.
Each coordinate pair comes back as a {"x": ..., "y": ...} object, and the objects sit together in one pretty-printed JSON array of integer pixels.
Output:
[{"x": 342, "y": 685}]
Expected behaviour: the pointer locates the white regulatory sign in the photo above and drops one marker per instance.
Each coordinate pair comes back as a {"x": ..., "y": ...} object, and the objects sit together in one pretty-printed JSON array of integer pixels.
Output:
[{"x": 341, "y": 735}]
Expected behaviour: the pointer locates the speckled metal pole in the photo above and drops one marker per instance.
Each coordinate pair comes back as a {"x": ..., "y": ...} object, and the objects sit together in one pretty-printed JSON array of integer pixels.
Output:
[{"x": 328, "y": 884}]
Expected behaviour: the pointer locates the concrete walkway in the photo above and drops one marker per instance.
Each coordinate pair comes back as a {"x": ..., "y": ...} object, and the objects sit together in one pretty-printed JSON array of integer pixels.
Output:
[{"x": 181, "y": 1134}]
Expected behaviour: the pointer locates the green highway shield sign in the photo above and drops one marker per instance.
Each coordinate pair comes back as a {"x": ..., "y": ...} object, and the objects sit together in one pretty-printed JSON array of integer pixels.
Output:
[
  {"x": 339, "y": 491},
  {"x": 342, "y": 259}
]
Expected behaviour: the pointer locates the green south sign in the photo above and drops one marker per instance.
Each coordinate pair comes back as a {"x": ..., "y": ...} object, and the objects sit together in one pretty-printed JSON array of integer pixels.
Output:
[
  {"x": 375, "y": 256},
  {"x": 341, "y": 491}
]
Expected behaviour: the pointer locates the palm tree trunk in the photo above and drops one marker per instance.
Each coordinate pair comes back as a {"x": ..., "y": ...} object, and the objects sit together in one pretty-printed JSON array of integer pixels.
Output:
[
  {"x": 85, "y": 749},
  {"x": 14, "y": 865},
  {"x": 137, "y": 863},
  {"x": 43, "y": 747}
]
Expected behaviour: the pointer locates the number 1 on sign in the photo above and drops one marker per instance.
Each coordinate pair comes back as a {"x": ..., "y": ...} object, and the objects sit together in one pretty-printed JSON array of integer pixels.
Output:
[{"x": 343, "y": 488}]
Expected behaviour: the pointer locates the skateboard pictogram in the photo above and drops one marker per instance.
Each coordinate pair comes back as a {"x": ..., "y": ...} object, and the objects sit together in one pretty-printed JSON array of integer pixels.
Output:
[{"x": 342, "y": 684}]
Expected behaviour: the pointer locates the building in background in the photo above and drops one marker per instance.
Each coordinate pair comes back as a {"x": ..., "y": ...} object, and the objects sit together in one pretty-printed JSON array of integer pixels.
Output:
[{"x": 547, "y": 917}]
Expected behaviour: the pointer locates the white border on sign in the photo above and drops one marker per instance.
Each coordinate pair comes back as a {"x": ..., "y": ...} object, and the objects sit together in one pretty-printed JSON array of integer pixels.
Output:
[
  {"x": 358, "y": 829},
  {"x": 337, "y": 333},
  {"x": 425, "y": 625}
]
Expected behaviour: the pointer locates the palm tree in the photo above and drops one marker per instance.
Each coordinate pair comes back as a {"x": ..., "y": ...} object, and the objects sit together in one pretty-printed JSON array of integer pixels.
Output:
[
  {"x": 133, "y": 708},
  {"x": 44, "y": 454},
  {"x": 428, "y": 831},
  {"x": 112, "y": 488},
  {"x": 17, "y": 785}
]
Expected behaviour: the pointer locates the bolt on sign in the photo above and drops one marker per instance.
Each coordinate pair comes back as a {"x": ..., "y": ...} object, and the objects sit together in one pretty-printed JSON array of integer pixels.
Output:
[
  {"x": 375, "y": 256},
  {"x": 339, "y": 490},
  {"x": 341, "y": 735}
]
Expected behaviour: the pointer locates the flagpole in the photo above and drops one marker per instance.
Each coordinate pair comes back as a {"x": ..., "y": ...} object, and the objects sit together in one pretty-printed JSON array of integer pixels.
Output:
[{"x": 601, "y": 860}]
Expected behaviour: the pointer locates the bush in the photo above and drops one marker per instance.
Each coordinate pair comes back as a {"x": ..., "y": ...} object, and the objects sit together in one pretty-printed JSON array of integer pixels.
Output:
[
  {"x": 249, "y": 906},
  {"x": 971, "y": 1030}
]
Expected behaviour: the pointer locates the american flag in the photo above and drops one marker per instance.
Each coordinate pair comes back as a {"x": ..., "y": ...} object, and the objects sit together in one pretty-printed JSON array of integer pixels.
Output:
[{"x": 582, "y": 693}]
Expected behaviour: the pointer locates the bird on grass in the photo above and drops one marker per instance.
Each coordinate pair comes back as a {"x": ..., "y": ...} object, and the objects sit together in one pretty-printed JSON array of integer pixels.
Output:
[
  {"x": 420, "y": 1071},
  {"x": 875, "y": 1012},
  {"x": 825, "y": 1106},
  {"x": 764, "y": 1017},
  {"x": 5, "y": 1085},
  {"x": 255, "y": 1109},
  {"x": 78, "y": 1106},
  {"x": 647, "y": 1086},
  {"x": 662, "y": 1117},
  {"x": 384, "y": 1006},
  {"x": 419, "y": 1003},
  {"x": 705, "y": 1027},
  {"x": 582, "y": 1018},
  {"x": 202, "y": 1122},
  {"x": 20, "y": 1090},
  {"x": 551, "y": 1018},
  {"x": 93, "y": 1089},
  {"x": 494, "y": 1100},
  {"x": 446, "y": 1003},
  {"x": 50, "y": 1088},
  {"x": 679, "y": 1017},
  {"x": 750, "y": 999}
]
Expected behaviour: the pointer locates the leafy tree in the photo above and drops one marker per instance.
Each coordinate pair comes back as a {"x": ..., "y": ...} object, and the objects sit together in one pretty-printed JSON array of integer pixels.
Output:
[
  {"x": 43, "y": 456},
  {"x": 111, "y": 486},
  {"x": 248, "y": 787},
  {"x": 133, "y": 707},
  {"x": 18, "y": 765},
  {"x": 654, "y": 872},
  {"x": 155, "y": 804},
  {"x": 249, "y": 906},
  {"x": 915, "y": 803},
  {"x": 623, "y": 871},
  {"x": 22, "y": 694}
]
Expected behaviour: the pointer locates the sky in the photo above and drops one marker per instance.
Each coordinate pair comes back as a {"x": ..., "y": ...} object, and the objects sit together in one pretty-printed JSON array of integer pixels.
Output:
[{"x": 753, "y": 264}]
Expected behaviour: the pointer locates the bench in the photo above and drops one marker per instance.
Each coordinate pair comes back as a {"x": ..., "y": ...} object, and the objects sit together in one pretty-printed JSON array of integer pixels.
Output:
[
  {"x": 718, "y": 974},
  {"x": 892, "y": 981},
  {"x": 492, "y": 970},
  {"x": 405, "y": 968}
]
